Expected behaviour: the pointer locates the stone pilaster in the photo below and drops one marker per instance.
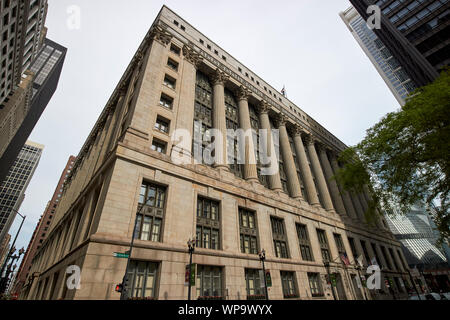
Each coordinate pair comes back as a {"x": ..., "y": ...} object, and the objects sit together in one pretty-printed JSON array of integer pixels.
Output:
[
  {"x": 321, "y": 182},
  {"x": 274, "y": 180},
  {"x": 219, "y": 118},
  {"x": 250, "y": 171},
  {"x": 305, "y": 168},
  {"x": 332, "y": 185},
  {"x": 288, "y": 160}
]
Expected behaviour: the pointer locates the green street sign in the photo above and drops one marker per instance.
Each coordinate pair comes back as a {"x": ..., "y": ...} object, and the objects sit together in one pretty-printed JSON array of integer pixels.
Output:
[{"x": 121, "y": 255}]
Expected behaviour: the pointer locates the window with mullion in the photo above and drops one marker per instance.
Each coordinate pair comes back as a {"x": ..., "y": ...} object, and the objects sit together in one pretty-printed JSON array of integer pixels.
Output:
[
  {"x": 254, "y": 122},
  {"x": 339, "y": 244},
  {"x": 279, "y": 238},
  {"x": 253, "y": 282},
  {"x": 315, "y": 284},
  {"x": 151, "y": 212},
  {"x": 305, "y": 245},
  {"x": 299, "y": 172},
  {"x": 202, "y": 112},
  {"x": 208, "y": 225},
  {"x": 142, "y": 278},
  {"x": 324, "y": 248},
  {"x": 232, "y": 122},
  {"x": 288, "y": 284},
  {"x": 248, "y": 231},
  {"x": 209, "y": 281}
]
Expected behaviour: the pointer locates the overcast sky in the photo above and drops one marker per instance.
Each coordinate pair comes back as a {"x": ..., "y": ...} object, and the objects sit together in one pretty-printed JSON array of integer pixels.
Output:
[{"x": 302, "y": 44}]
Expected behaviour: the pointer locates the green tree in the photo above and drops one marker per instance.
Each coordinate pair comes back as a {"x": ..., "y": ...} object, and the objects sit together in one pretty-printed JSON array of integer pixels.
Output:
[{"x": 404, "y": 158}]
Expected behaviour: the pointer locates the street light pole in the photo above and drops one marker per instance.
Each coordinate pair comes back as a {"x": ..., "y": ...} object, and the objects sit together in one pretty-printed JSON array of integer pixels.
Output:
[
  {"x": 262, "y": 257},
  {"x": 10, "y": 253},
  {"x": 191, "y": 246}
]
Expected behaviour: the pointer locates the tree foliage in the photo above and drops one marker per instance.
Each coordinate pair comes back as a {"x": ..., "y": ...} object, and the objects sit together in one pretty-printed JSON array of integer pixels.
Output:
[{"x": 405, "y": 156}]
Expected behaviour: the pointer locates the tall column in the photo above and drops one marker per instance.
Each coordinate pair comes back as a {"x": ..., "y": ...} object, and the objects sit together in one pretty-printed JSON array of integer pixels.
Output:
[
  {"x": 219, "y": 119},
  {"x": 321, "y": 182},
  {"x": 304, "y": 167},
  {"x": 345, "y": 196},
  {"x": 378, "y": 217},
  {"x": 274, "y": 180},
  {"x": 358, "y": 207},
  {"x": 335, "y": 194},
  {"x": 250, "y": 171},
  {"x": 289, "y": 165}
]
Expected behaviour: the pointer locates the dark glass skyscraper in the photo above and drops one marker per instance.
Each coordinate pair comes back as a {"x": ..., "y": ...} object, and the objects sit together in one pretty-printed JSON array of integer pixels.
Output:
[
  {"x": 45, "y": 71},
  {"x": 416, "y": 32}
]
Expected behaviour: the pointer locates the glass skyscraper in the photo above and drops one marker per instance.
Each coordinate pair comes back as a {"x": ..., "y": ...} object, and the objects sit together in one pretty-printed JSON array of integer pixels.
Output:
[{"x": 387, "y": 66}]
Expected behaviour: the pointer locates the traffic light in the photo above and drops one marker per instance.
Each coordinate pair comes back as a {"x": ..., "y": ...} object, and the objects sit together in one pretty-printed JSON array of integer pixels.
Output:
[{"x": 119, "y": 287}]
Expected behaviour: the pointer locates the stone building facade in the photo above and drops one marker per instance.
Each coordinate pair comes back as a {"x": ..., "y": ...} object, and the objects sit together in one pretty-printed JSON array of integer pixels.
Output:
[{"x": 125, "y": 179}]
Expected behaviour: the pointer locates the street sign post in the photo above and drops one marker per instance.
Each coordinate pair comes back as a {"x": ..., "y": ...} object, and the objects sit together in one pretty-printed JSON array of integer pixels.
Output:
[{"x": 121, "y": 255}]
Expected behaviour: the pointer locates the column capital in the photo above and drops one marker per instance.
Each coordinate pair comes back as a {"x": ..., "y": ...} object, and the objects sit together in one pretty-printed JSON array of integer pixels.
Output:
[
  {"x": 298, "y": 130},
  {"x": 161, "y": 35},
  {"x": 310, "y": 139},
  {"x": 243, "y": 93},
  {"x": 263, "y": 107},
  {"x": 281, "y": 120},
  {"x": 219, "y": 77},
  {"x": 191, "y": 55}
]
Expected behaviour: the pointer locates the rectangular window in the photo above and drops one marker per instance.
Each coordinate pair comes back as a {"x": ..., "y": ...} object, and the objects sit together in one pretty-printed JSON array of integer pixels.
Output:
[
  {"x": 166, "y": 101},
  {"x": 142, "y": 279},
  {"x": 279, "y": 238},
  {"x": 162, "y": 124},
  {"x": 315, "y": 284},
  {"x": 375, "y": 252},
  {"x": 353, "y": 247},
  {"x": 209, "y": 282},
  {"x": 254, "y": 284},
  {"x": 172, "y": 64},
  {"x": 175, "y": 49},
  {"x": 149, "y": 220},
  {"x": 159, "y": 146},
  {"x": 248, "y": 231},
  {"x": 366, "y": 253},
  {"x": 169, "y": 82},
  {"x": 289, "y": 284},
  {"x": 339, "y": 244},
  {"x": 305, "y": 245},
  {"x": 323, "y": 242},
  {"x": 208, "y": 224}
]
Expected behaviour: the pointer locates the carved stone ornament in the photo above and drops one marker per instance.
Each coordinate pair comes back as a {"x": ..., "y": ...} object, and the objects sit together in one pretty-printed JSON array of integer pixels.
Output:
[
  {"x": 309, "y": 139},
  {"x": 243, "y": 93},
  {"x": 264, "y": 106},
  {"x": 161, "y": 35},
  {"x": 219, "y": 77},
  {"x": 281, "y": 120},
  {"x": 298, "y": 130},
  {"x": 191, "y": 55}
]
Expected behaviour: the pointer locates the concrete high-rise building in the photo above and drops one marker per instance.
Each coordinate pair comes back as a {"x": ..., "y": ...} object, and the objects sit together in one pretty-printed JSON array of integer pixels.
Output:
[
  {"x": 129, "y": 178},
  {"x": 386, "y": 64},
  {"x": 42, "y": 228},
  {"x": 415, "y": 32},
  {"x": 12, "y": 190},
  {"x": 4, "y": 248},
  {"x": 30, "y": 66}
]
